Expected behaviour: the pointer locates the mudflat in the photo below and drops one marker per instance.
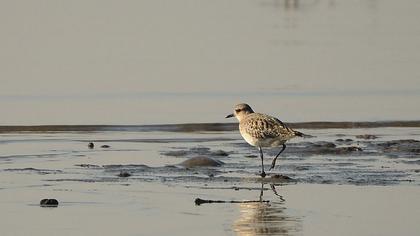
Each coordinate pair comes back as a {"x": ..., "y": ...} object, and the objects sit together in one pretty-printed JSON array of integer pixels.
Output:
[{"x": 336, "y": 182}]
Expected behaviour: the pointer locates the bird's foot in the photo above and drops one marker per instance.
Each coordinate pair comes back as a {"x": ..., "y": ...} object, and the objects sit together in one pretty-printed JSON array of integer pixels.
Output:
[{"x": 263, "y": 174}]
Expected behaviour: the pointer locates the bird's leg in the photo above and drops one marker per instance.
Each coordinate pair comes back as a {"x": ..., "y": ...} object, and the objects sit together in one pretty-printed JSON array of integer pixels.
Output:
[
  {"x": 275, "y": 158},
  {"x": 262, "y": 162},
  {"x": 262, "y": 191},
  {"x": 275, "y": 192}
]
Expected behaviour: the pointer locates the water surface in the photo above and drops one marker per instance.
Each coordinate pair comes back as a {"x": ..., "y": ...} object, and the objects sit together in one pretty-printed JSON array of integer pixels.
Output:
[{"x": 153, "y": 62}]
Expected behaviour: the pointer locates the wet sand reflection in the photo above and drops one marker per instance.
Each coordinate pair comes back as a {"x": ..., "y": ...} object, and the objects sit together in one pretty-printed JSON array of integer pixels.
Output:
[{"x": 262, "y": 218}]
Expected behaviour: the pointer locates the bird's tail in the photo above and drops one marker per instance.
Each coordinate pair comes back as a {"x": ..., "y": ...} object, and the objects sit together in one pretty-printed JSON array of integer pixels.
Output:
[{"x": 300, "y": 134}]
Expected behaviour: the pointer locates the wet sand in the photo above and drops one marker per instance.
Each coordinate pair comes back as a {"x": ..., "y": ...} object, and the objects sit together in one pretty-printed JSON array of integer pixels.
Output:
[
  {"x": 340, "y": 182},
  {"x": 159, "y": 209}
]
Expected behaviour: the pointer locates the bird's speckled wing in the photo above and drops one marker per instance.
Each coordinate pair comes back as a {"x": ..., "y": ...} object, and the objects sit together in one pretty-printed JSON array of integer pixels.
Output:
[{"x": 262, "y": 126}]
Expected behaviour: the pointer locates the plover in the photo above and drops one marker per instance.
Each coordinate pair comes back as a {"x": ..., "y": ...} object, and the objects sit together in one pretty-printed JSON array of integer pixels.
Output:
[{"x": 262, "y": 130}]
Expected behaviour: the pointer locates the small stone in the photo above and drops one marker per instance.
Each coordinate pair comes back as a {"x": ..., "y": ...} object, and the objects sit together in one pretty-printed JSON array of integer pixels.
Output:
[
  {"x": 105, "y": 146},
  {"x": 91, "y": 145},
  {"x": 48, "y": 203},
  {"x": 124, "y": 174},
  {"x": 251, "y": 156},
  {"x": 220, "y": 153}
]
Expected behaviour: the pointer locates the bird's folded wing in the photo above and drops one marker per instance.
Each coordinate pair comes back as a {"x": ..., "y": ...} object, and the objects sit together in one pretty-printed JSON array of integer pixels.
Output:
[{"x": 263, "y": 126}]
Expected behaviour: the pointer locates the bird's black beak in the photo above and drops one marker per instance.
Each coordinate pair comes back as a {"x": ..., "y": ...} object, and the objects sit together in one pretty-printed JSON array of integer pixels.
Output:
[{"x": 230, "y": 115}]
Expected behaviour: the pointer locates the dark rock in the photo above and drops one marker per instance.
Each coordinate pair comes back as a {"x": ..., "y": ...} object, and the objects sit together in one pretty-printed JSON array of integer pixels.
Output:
[
  {"x": 91, "y": 145},
  {"x": 366, "y": 136},
  {"x": 200, "y": 161},
  {"x": 48, "y": 203},
  {"x": 124, "y": 174},
  {"x": 39, "y": 171},
  {"x": 220, "y": 153},
  {"x": 105, "y": 146}
]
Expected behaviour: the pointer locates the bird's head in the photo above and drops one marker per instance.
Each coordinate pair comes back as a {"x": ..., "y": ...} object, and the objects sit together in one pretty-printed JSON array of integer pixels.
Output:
[{"x": 241, "y": 111}]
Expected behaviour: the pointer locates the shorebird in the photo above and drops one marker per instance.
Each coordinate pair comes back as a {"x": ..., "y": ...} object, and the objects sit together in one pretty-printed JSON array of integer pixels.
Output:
[{"x": 260, "y": 130}]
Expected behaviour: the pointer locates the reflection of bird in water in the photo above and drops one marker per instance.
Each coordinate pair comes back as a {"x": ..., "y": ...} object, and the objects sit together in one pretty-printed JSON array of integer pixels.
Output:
[
  {"x": 262, "y": 130},
  {"x": 265, "y": 218}
]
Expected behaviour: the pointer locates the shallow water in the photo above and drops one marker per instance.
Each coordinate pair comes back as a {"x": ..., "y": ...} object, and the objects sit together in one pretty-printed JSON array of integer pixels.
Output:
[
  {"x": 329, "y": 193},
  {"x": 159, "y": 62}
]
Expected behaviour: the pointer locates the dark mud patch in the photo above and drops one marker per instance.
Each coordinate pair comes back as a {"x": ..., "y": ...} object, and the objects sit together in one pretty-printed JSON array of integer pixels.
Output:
[
  {"x": 398, "y": 148},
  {"x": 194, "y": 151},
  {"x": 366, "y": 136},
  {"x": 124, "y": 174},
  {"x": 357, "y": 177},
  {"x": 34, "y": 170},
  {"x": 306, "y": 149},
  {"x": 346, "y": 147},
  {"x": 90, "y": 166}
]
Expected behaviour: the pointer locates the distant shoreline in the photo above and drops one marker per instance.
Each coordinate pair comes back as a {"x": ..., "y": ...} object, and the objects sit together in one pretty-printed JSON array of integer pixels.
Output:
[{"x": 197, "y": 127}]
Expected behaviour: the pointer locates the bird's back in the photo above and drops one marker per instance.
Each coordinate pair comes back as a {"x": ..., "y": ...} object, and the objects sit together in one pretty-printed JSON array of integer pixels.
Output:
[{"x": 265, "y": 131}]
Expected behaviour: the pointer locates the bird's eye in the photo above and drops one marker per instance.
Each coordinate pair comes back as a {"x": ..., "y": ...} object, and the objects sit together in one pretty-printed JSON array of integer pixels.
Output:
[{"x": 237, "y": 110}]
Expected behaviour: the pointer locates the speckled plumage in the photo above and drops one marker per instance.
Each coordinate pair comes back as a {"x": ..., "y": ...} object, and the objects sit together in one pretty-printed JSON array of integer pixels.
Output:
[{"x": 264, "y": 131}]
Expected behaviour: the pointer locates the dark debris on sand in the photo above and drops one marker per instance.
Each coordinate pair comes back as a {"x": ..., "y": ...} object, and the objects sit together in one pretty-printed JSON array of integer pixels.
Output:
[{"x": 48, "y": 203}]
